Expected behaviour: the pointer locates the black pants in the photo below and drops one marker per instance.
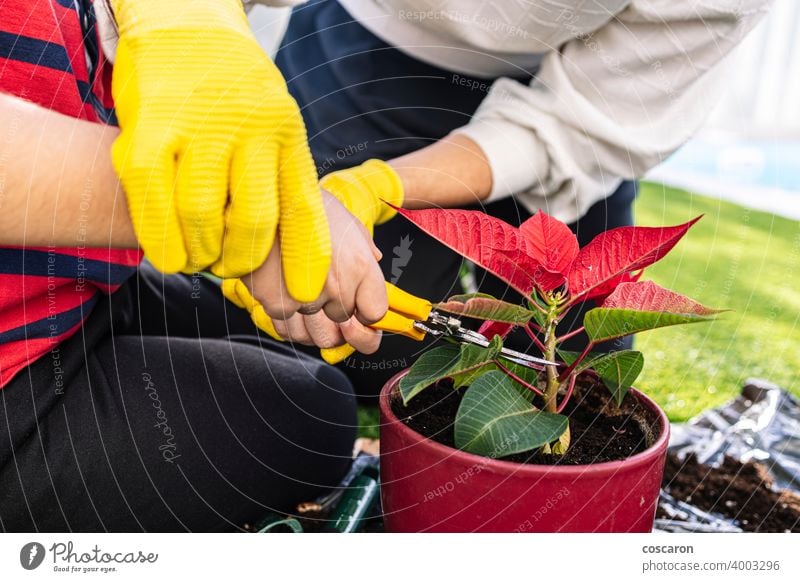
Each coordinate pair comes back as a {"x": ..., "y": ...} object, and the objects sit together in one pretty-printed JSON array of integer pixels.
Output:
[
  {"x": 362, "y": 98},
  {"x": 157, "y": 416}
]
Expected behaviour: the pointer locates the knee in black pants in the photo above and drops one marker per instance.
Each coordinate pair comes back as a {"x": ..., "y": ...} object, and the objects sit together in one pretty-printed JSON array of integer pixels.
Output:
[{"x": 172, "y": 434}]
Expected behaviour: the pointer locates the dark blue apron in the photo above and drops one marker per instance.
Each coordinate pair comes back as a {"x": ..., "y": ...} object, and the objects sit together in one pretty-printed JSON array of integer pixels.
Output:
[{"x": 362, "y": 98}]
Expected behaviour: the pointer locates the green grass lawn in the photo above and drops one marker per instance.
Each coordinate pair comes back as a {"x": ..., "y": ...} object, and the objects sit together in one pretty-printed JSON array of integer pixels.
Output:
[{"x": 737, "y": 258}]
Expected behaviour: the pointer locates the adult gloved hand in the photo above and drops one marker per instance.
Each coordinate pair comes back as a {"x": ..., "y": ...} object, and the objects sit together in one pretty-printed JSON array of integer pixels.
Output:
[
  {"x": 364, "y": 189},
  {"x": 213, "y": 152}
]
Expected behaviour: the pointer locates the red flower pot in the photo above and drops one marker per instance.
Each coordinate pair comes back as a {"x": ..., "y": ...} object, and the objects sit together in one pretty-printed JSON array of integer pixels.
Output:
[{"x": 430, "y": 487}]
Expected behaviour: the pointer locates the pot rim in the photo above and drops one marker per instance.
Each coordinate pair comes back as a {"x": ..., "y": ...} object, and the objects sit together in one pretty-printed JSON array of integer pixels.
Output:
[{"x": 645, "y": 457}]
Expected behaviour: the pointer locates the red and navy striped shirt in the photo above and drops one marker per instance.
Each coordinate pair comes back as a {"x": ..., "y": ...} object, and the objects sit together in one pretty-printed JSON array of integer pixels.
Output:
[{"x": 50, "y": 55}]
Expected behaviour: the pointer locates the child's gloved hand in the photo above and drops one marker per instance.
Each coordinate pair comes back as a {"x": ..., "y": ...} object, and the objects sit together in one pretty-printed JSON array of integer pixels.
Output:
[
  {"x": 354, "y": 295},
  {"x": 213, "y": 152},
  {"x": 365, "y": 189}
]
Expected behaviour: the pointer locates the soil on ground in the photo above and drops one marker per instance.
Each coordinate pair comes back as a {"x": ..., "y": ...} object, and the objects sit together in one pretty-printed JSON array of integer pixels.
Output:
[
  {"x": 742, "y": 492},
  {"x": 600, "y": 430}
]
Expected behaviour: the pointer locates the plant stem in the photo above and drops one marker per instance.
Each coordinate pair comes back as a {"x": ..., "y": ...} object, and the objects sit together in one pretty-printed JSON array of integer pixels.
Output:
[
  {"x": 573, "y": 333},
  {"x": 551, "y": 392},
  {"x": 564, "y": 400},
  {"x": 517, "y": 379},
  {"x": 535, "y": 339},
  {"x": 577, "y": 362},
  {"x": 535, "y": 326}
]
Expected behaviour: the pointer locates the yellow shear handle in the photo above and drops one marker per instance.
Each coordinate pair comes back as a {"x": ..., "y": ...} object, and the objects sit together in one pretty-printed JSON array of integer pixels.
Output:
[
  {"x": 404, "y": 310},
  {"x": 407, "y": 304}
]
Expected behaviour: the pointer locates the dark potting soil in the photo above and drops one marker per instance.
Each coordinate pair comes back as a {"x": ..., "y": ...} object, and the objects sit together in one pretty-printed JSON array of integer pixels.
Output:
[
  {"x": 600, "y": 431},
  {"x": 742, "y": 492}
]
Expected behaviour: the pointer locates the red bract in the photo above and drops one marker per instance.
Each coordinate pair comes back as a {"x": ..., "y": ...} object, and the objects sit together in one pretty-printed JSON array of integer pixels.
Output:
[
  {"x": 550, "y": 242},
  {"x": 541, "y": 277},
  {"x": 538, "y": 255},
  {"x": 477, "y": 236},
  {"x": 618, "y": 251},
  {"x": 602, "y": 291},
  {"x": 493, "y": 328},
  {"x": 543, "y": 252},
  {"x": 648, "y": 296}
]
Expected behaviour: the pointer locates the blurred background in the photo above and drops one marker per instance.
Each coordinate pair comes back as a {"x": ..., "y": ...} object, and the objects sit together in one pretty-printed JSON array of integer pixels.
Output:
[{"x": 742, "y": 170}]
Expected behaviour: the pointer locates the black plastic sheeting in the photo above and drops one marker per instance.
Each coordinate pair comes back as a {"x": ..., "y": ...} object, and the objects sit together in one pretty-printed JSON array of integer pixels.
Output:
[{"x": 762, "y": 425}]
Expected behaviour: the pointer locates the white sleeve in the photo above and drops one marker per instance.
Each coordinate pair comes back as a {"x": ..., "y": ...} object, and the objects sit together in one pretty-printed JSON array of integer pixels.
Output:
[{"x": 610, "y": 105}]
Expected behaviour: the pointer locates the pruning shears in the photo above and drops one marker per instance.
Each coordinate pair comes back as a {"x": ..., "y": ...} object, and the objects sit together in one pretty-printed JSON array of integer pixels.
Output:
[{"x": 416, "y": 318}]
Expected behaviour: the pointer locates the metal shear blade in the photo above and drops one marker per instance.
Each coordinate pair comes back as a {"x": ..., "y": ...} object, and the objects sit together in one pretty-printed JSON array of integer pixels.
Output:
[{"x": 439, "y": 324}]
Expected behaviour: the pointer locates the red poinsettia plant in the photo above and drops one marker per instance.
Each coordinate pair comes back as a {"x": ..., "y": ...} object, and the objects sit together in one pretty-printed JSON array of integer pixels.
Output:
[{"x": 507, "y": 408}]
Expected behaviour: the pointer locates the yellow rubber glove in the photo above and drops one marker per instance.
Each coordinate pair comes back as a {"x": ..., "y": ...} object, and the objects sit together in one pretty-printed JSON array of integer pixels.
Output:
[
  {"x": 237, "y": 293},
  {"x": 213, "y": 152},
  {"x": 364, "y": 189}
]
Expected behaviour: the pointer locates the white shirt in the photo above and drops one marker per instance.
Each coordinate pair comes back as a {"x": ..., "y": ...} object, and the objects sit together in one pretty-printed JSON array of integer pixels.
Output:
[{"x": 621, "y": 84}]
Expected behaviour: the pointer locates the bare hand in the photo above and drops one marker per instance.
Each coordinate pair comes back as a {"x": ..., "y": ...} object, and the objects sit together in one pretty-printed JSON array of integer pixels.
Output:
[{"x": 354, "y": 295}]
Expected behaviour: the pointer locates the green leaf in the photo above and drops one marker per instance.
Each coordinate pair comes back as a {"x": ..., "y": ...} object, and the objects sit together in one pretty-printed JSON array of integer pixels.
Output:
[
  {"x": 618, "y": 370},
  {"x": 431, "y": 367},
  {"x": 643, "y": 305},
  {"x": 448, "y": 361},
  {"x": 495, "y": 420},
  {"x": 468, "y": 376},
  {"x": 483, "y": 306},
  {"x": 527, "y": 374},
  {"x": 603, "y": 324},
  {"x": 570, "y": 357}
]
